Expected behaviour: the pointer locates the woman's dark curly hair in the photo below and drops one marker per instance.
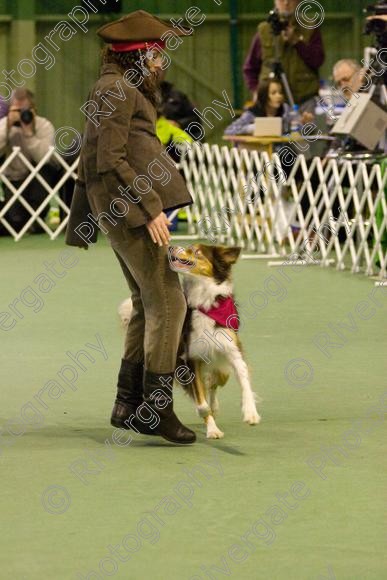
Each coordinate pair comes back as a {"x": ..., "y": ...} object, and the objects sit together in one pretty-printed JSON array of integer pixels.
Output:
[
  {"x": 259, "y": 108},
  {"x": 149, "y": 86}
]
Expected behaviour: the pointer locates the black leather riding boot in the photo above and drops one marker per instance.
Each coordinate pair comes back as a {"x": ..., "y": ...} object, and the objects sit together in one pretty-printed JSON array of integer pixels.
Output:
[
  {"x": 129, "y": 398},
  {"x": 158, "y": 397}
]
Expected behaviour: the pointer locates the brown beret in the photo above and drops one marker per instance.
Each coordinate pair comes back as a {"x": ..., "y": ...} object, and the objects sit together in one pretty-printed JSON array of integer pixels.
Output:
[{"x": 139, "y": 25}]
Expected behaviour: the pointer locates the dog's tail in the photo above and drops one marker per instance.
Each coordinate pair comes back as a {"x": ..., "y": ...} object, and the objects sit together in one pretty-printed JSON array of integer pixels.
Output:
[{"x": 125, "y": 311}]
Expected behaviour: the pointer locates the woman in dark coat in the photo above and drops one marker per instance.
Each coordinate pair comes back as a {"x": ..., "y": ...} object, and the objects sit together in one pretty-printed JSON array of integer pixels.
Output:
[{"x": 126, "y": 184}]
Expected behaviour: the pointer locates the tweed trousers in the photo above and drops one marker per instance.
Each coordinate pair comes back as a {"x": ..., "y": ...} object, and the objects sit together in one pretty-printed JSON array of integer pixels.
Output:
[{"x": 159, "y": 306}]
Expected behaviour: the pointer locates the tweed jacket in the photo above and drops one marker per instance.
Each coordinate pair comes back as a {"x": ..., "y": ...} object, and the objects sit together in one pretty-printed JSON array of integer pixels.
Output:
[{"x": 121, "y": 158}]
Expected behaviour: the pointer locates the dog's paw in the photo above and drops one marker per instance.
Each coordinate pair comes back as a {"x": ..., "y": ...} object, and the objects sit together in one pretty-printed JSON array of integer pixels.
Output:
[
  {"x": 214, "y": 433},
  {"x": 251, "y": 417}
]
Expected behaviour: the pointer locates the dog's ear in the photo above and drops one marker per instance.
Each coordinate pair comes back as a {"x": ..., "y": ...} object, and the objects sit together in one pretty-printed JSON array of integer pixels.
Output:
[{"x": 229, "y": 255}]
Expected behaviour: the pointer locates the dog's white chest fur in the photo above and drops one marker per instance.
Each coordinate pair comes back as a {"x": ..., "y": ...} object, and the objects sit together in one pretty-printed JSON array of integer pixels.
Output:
[
  {"x": 202, "y": 292},
  {"x": 207, "y": 341}
]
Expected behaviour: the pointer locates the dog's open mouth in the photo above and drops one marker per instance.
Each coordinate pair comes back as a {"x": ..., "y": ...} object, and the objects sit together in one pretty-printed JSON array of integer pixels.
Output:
[
  {"x": 180, "y": 259},
  {"x": 178, "y": 263},
  {"x": 183, "y": 261}
]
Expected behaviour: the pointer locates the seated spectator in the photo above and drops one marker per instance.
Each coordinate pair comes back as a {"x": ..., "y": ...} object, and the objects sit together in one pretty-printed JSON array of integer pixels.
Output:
[
  {"x": 177, "y": 108},
  {"x": 348, "y": 76},
  {"x": 23, "y": 128},
  {"x": 170, "y": 134},
  {"x": 270, "y": 103}
]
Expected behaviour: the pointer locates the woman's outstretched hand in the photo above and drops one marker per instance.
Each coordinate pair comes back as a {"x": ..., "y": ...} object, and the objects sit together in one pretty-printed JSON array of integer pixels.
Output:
[{"x": 158, "y": 230}]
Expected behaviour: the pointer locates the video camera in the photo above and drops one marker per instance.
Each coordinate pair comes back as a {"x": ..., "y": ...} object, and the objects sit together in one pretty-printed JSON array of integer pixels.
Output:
[
  {"x": 278, "y": 23},
  {"x": 375, "y": 25}
]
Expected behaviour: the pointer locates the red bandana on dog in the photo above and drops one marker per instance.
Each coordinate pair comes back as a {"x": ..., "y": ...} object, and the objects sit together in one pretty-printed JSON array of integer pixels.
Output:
[{"x": 225, "y": 313}]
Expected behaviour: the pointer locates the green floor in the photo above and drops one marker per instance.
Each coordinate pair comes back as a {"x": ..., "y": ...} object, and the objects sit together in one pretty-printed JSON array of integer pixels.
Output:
[{"x": 273, "y": 502}]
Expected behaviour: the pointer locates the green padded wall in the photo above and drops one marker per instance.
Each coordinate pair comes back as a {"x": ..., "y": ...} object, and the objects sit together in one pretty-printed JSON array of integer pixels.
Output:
[{"x": 201, "y": 66}]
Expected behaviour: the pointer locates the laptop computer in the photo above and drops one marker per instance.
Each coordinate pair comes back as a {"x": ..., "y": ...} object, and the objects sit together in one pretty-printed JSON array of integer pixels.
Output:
[{"x": 268, "y": 127}]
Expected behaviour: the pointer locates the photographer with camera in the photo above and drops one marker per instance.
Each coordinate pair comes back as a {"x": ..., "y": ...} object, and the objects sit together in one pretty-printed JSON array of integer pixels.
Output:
[
  {"x": 299, "y": 51},
  {"x": 23, "y": 128}
]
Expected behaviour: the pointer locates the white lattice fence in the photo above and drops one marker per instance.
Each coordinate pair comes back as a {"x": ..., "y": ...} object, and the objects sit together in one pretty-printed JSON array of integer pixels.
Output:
[
  {"x": 246, "y": 198},
  {"x": 69, "y": 171},
  {"x": 316, "y": 209}
]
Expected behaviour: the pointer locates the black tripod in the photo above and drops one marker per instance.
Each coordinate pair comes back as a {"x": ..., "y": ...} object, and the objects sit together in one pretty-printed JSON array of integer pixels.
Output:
[{"x": 277, "y": 71}]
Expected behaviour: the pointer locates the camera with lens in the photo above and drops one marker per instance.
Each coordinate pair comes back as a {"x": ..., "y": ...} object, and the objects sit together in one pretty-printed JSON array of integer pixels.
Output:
[
  {"x": 277, "y": 22},
  {"x": 27, "y": 116}
]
